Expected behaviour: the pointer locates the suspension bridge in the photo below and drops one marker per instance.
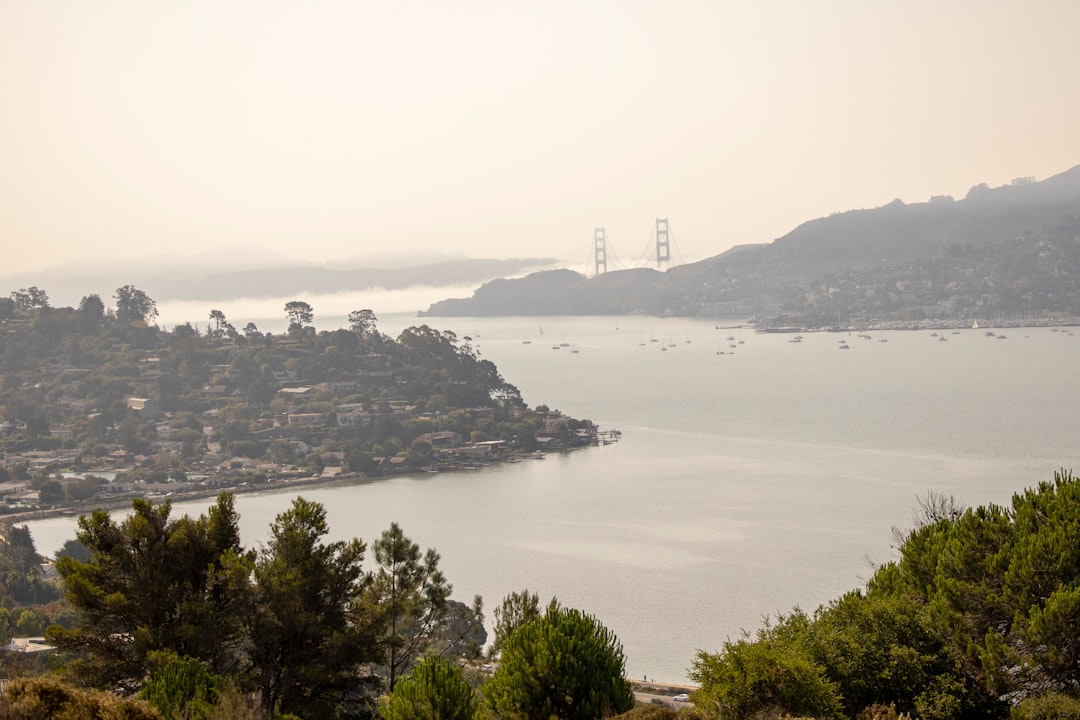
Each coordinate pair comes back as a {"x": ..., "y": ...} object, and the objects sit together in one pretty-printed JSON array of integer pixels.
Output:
[{"x": 657, "y": 249}]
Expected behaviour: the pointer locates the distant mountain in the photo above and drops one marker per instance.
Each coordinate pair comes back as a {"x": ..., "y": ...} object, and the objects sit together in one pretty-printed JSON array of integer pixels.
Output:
[
  {"x": 905, "y": 259},
  {"x": 291, "y": 280},
  {"x": 262, "y": 275}
]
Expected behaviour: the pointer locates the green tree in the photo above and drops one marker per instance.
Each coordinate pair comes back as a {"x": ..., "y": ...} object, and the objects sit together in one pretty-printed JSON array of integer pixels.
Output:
[
  {"x": 434, "y": 690},
  {"x": 771, "y": 673},
  {"x": 153, "y": 584},
  {"x": 1002, "y": 587},
  {"x": 305, "y": 653},
  {"x": 516, "y": 609},
  {"x": 31, "y": 623},
  {"x": 564, "y": 664},
  {"x": 880, "y": 649},
  {"x": 407, "y": 599},
  {"x": 134, "y": 305},
  {"x": 182, "y": 689}
]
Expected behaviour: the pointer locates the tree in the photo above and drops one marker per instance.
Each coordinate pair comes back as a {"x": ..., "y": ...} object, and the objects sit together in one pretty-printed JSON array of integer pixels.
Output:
[
  {"x": 151, "y": 585},
  {"x": 771, "y": 673},
  {"x": 299, "y": 314},
  {"x": 218, "y": 318},
  {"x": 434, "y": 689},
  {"x": 564, "y": 664},
  {"x": 362, "y": 322},
  {"x": 134, "y": 305},
  {"x": 91, "y": 313},
  {"x": 407, "y": 599},
  {"x": 51, "y": 493},
  {"x": 516, "y": 609},
  {"x": 180, "y": 689},
  {"x": 49, "y": 698},
  {"x": 31, "y": 298},
  {"x": 305, "y": 654},
  {"x": 1002, "y": 585}
]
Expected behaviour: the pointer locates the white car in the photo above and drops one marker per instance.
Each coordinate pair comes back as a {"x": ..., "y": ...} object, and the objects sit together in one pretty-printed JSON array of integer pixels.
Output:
[{"x": 681, "y": 697}]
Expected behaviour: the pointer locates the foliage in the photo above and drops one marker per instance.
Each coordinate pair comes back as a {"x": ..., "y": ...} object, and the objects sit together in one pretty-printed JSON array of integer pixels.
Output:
[
  {"x": 134, "y": 305},
  {"x": 659, "y": 712},
  {"x": 151, "y": 584},
  {"x": 20, "y": 568},
  {"x": 516, "y": 609},
  {"x": 1048, "y": 706},
  {"x": 182, "y": 689},
  {"x": 30, "y": 298},
  {"x": 880, "y": 649},
  {"x": 299, "y": 314},
  {"x": 772, "y": 673},
  {"x": 1002, "y": 588},
  {"x": 305, "y": 654},
  {"x": 49, "y": 698},
  {"x": 435, "y": 689},
  {"x": 362, "y": 322},
  {"x": 564, "y": 664},
  {"x": 406, "y": 601},
  {"x": 981, "y": 611}
]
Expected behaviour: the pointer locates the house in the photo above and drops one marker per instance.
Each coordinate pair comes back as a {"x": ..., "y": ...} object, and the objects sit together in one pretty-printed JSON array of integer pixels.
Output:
[
  {"x": 444, "y": 439},
  {"x": 144, "y": 406},
  {"x": 297, "y": 392},
  {"x": 305, "y": 419}
]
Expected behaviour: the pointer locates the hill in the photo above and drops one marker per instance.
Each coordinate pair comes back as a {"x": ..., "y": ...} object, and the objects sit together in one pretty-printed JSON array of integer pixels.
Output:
[{"x": 1007, "y": 251}]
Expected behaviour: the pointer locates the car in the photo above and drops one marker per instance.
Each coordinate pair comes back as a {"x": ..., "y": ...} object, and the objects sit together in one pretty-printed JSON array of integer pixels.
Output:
[{"x": 681, "y": 697}]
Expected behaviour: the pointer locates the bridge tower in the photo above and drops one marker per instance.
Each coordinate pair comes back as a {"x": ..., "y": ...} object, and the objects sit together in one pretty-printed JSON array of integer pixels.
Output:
[
  {"x": 600, "y": 250},
  {"x": 663, "y": 249}
]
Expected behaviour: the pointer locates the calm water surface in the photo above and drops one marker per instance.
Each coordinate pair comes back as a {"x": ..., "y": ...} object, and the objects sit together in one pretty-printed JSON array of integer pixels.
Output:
[{"x": 745, "y": 483}]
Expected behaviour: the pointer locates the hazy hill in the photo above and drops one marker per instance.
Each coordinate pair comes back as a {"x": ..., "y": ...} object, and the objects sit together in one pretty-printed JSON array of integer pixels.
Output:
[
  {"x": 881, "y": 245},
  {"x": 259, "y": 274}
]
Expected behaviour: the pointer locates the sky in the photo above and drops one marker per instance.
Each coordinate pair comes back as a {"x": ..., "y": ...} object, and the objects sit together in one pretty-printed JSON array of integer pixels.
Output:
[{"x": 322, "y": 130}]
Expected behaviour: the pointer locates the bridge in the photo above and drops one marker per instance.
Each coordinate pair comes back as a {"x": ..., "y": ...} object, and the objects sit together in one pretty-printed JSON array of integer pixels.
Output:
[{"x": 657, "y": 249}]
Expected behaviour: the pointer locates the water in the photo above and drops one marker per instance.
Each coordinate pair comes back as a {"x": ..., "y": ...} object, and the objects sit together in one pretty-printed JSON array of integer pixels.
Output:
[{"x": 744, "y": 484}]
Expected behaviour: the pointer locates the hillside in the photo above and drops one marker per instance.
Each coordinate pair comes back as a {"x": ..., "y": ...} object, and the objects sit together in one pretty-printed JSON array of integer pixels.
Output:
[{"x": 1007, "y": 251}]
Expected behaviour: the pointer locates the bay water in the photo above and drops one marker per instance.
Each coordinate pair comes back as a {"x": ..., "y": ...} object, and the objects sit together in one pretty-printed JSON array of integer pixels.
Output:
[{"x": 754, "y": 474}]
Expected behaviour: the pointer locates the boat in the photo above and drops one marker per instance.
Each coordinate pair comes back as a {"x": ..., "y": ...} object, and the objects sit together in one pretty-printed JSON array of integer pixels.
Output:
[
  {"x": 974, "y": 324},
  {"x": 845, "y": 346}
]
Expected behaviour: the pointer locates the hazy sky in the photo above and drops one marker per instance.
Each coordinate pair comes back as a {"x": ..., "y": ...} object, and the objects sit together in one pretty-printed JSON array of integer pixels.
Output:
[{"x": 323, "y": 130}]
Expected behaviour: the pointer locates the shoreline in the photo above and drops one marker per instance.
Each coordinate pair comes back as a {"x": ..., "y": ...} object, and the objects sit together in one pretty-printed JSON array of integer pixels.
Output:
[{"x": 167, "y": 491}]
